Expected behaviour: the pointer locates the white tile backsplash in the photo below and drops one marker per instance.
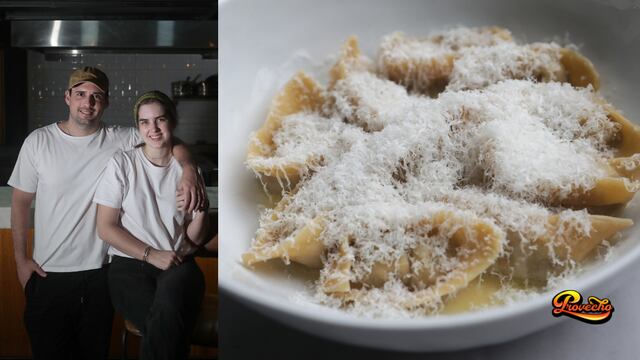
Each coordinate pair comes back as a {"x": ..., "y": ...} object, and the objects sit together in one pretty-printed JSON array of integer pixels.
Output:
[{"x": 130, "y": 75}]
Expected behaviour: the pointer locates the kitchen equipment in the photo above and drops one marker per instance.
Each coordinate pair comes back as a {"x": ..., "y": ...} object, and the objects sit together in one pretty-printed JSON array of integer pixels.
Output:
[
  {"x": 208, "y": 87},
  {"x": 46, "y": 30},
  {"x": 184, "y": 88}
]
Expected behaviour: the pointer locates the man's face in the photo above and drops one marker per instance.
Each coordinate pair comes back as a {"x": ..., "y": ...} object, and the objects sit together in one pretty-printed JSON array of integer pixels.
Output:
[{"x": 86, "y": 104}]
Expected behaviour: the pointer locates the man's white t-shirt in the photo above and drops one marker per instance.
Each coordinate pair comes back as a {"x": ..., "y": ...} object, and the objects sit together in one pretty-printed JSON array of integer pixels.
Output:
[
  {"x": 64, "y": 171},
  {"x": 146, "y": 195}
]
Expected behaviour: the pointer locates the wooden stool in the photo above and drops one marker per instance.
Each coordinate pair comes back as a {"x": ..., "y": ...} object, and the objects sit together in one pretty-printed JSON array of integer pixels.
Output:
[{"x": 128, "y": 328}]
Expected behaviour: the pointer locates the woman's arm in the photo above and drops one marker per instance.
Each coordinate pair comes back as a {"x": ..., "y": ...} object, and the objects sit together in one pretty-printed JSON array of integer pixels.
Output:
[
  {"x": 110, "y": 230},
  {"x": 197, "y": 231},
  {"x": 198, "y": 227},
  {"x": 212, "y": 245}
]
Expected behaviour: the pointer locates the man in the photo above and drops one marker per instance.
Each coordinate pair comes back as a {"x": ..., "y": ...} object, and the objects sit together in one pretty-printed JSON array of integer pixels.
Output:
[{"x": 68, "y": 312}]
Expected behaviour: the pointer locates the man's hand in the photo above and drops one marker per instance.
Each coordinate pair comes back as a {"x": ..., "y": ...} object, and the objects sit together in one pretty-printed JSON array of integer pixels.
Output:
[
  {"x": 191, "y": 192},
  {"x": 26, "y": 268},
  {"x": 20, "y": 219},
  {"x": 163, "y": 259}
]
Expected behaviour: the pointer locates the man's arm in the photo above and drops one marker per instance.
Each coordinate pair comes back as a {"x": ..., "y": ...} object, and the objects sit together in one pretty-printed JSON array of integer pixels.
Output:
[
  {"x": 191, "y": 188},
  {"x": 110, "y": 230},
  {"x": 20, "y": 216}
]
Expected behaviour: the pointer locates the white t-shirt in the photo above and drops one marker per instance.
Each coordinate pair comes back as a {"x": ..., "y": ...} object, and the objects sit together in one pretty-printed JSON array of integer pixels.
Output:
[
  {"x": 64, "y": 171},
  {"x": 146, "y": 195}
]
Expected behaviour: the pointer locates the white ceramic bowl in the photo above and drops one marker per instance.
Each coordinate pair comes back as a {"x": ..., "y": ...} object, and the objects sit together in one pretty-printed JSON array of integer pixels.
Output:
[{"x": 263, "y": 43}]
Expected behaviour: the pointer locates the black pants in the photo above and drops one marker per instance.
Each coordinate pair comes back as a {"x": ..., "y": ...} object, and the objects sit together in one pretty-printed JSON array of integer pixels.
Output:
[
  {"x": 69, "y": 315},
  {"x": 162, "y": 304}
]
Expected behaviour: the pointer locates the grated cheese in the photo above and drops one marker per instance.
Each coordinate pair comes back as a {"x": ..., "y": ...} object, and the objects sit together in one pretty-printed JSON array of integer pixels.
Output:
[
  {"x": 399, "y": 46},
  {"x": 364, "y": 99},
  {"x": 480, "y": 66},
  {"x": 310, "y": 140}
]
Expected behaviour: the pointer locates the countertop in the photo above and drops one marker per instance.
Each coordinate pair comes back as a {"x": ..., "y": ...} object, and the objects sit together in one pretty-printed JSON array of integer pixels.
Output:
[
  {"x": 248, "y": 334},
  {"x": 5, "y": 204}
]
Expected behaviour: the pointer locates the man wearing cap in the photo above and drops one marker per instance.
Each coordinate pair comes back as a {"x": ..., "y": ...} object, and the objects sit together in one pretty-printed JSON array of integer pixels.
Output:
[{"x": 68, "y": 311}]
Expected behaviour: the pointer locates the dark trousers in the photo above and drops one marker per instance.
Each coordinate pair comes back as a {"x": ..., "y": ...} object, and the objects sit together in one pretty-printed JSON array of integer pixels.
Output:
[
  {"x": 69, "y": 315},
  {"x": 163, "y": 305}
]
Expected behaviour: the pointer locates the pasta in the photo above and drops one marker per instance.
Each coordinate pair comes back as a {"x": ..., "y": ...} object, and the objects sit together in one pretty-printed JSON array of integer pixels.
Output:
[
  {"x": 299, "y": 95},
  {"x": 451, "y": 159}
]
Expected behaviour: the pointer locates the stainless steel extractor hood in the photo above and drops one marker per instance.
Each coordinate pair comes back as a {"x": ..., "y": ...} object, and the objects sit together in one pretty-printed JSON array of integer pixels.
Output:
[
  {"x": 77, "y": 26},
  {"x": 71, "y": 37},
  {"x": 108, "y": 9}
]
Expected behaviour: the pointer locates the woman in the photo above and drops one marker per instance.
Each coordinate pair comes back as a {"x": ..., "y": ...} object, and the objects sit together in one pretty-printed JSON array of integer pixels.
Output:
[{"x": 152, "y": 281}]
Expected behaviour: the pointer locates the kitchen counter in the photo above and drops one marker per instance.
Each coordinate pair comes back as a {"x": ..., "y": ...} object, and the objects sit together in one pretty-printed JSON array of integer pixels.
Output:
[{"x": 5, "y": 204}]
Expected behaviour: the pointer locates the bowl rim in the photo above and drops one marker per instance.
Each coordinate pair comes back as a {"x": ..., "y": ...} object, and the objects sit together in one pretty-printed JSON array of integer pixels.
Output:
[{"x": 593, "y": 278}]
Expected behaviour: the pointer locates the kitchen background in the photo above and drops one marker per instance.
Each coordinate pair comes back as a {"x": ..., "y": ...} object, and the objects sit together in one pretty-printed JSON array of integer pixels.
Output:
[
  {"x": 130, "y": 75},
  {"x": 141, "y": 46}
]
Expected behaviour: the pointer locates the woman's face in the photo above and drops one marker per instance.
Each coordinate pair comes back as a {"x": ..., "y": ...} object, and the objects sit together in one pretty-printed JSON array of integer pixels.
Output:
[{"x": 154, "y": 125}]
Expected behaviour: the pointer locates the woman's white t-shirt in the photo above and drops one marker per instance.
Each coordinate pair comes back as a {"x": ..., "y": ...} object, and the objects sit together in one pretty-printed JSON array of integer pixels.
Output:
[{"x": 146, "y": 196}]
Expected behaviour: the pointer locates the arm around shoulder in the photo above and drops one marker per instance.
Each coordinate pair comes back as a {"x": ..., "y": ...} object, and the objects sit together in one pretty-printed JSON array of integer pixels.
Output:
[{"x": 191, "y": 188}]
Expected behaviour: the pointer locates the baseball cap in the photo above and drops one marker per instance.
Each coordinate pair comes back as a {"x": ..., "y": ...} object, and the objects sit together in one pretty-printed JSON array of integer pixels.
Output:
[{"x": 92, "y": 75}]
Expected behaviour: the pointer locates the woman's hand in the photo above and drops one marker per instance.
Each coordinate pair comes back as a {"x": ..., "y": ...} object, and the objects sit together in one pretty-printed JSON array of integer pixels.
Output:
[
  {"x": 163, "y": 259},
  {"x": 186, "y": 248}
]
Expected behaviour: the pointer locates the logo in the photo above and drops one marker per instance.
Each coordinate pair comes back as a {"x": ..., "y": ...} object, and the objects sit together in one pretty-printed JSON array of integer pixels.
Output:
[{"x": 569, "y": 303}]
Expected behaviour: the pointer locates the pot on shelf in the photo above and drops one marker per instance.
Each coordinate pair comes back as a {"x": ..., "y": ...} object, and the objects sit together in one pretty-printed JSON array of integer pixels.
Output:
[
  {"x": 208, "y": 87},
  {"x": 184, "y": 88}
]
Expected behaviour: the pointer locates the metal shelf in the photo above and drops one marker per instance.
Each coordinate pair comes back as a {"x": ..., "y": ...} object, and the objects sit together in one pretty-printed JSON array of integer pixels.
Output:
[{"x": 194, "y": 98}]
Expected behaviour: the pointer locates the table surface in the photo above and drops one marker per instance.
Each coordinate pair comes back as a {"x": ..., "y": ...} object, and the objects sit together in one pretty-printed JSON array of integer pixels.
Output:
[{"x": 248, "y": 334}]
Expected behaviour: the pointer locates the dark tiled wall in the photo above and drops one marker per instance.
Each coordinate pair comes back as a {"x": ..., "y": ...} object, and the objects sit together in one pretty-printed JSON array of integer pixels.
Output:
[{"x": 130, "y": 75}]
